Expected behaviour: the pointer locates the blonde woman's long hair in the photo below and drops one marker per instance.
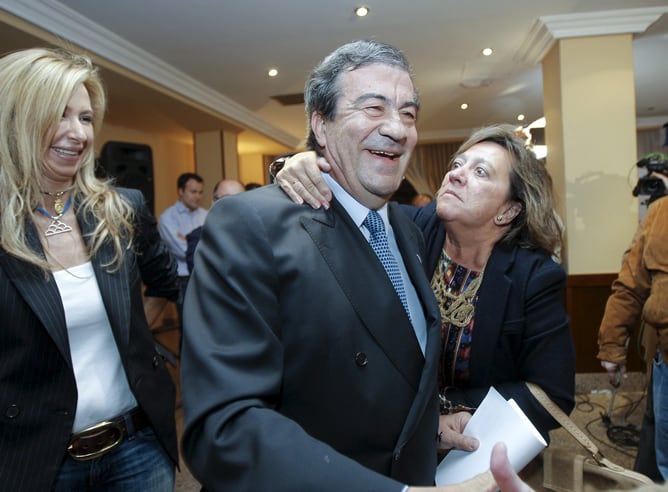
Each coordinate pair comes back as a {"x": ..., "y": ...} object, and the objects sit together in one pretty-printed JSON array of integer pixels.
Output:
[{"x": 35, "y": 87}]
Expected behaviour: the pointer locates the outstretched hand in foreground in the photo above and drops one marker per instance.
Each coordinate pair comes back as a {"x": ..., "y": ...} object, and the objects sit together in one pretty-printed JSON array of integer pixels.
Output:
[{"x": 500, "y": 477}]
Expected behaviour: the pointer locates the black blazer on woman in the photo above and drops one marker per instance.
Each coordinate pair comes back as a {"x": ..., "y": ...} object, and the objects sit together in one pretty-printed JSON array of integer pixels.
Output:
[
  {"x": 521, "y": 328},
  {"x": 38, "y": 393}
]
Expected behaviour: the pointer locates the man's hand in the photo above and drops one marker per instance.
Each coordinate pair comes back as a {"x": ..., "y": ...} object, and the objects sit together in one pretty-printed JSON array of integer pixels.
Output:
[
  {"x": 300, "y": 179},
  {"x": 616, "y": 372},
  {"x": 500, "y": 477},
  {"x": 450, "y": 428},
  {"x": 504, "y": 475}
]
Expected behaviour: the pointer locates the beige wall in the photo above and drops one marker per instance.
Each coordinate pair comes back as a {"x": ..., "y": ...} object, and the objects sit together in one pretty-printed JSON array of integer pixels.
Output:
[
  {"x": 591, "y": 136},
  {"x": 251, "y": 169},
  {"x": 170, "y": 159}
]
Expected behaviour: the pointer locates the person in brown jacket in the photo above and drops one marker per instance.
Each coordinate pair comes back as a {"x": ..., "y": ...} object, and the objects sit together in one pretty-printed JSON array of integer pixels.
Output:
[{"x": 640, "y": 293}]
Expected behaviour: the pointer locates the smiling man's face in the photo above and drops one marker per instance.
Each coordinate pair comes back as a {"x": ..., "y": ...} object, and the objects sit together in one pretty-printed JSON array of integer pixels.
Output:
[{"x": 372, "y": 136}]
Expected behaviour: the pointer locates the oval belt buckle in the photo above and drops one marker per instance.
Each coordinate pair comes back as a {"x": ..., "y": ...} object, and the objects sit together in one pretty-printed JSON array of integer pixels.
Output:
[{"x": 96, "y": 434}]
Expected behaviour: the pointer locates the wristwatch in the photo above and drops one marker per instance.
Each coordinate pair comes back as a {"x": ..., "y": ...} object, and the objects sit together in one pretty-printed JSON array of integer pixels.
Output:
[
  {"x": 447, "y": 407},
  {"x": 277, "y": 165}
]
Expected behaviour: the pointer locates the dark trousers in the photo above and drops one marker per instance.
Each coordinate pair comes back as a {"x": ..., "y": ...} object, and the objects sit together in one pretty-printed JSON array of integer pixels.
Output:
[
  {"x": 646, "y": 458},
  {"x": 183, "y": 284}
]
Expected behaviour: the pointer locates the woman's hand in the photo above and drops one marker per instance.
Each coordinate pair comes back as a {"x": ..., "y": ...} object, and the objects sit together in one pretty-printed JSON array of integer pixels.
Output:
[
  {"x": 450, "y": 428},
  {"x": 301, "y": 180}
]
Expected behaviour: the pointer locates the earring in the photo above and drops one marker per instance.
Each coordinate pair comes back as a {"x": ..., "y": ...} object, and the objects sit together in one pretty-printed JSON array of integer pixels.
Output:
[{"x": 499, "y": 218}]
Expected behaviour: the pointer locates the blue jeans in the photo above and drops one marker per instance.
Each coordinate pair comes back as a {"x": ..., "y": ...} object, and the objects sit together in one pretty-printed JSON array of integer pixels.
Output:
[
  {"x": 660, "y": 395},
  {"x": 138, "y": 464}
]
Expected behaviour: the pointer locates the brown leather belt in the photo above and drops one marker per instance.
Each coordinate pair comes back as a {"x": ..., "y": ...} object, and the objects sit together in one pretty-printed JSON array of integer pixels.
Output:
[{"x": 101, "y": 438}]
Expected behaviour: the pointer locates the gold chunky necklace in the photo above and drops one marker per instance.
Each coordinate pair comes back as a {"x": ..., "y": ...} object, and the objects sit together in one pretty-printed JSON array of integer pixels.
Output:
[{"x": 458, "y": 309}]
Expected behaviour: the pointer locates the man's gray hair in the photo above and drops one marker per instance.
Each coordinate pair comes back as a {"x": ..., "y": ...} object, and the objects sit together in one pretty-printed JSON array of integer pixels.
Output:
[{"x": 322, "y": 89}]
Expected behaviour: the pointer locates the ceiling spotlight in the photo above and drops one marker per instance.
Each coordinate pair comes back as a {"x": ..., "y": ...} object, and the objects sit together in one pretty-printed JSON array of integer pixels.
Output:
[
  {"x": 464, "y": 106},
  {"x": 361, "y": 11},
  {"x": 487, "y": 51},
  {"x": 539, "y": 123},
  {"x": 273, "y": 72},
  {"x": 520, "y": 117}
]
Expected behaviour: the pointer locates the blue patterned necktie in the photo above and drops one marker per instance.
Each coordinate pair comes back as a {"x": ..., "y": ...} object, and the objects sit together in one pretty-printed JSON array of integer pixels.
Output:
[{"x": 378, "y": 241}]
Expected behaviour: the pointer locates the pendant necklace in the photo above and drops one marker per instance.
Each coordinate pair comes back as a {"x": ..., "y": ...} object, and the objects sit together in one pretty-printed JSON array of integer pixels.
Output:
[
  {"x": 57, "y": 226},
  {"x": 58, "y": 205}
]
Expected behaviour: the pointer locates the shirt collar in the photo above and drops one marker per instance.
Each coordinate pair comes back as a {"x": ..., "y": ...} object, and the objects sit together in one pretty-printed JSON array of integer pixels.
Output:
[
  {"x": 355, "y": 209},
  {"x": 181, "y": 208}
]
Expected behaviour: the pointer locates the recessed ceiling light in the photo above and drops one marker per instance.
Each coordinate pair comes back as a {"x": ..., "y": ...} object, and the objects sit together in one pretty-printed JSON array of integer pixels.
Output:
[
  {"x": 520, "y": 117},
  {"x": 487, "y": 51},
  {"x": 273, "y": 72},
  {"x": 361, "y": 11},
  {"x": 464, "y": 106}
]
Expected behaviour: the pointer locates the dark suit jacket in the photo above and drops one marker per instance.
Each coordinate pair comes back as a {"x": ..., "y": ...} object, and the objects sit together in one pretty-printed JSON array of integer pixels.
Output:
[
  {"x": 38, "y": 393},
  {"x": 300, "y": 368},
  {"x": 192, "y": 239},
  {"x": 521, "y": 328}
]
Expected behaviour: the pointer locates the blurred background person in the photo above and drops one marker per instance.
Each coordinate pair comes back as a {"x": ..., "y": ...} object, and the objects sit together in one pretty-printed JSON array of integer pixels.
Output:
[
  {"x": 82, "y": 387},
  {"x": 224, "y": 187},
  {"x": 421, "y": 200},
  {"x": 489, "y": 239},
  {"x": 176, "y": 222}
]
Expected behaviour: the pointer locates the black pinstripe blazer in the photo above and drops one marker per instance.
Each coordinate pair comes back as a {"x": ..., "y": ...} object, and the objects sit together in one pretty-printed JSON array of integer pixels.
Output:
[{"x": 38, "y": 393}]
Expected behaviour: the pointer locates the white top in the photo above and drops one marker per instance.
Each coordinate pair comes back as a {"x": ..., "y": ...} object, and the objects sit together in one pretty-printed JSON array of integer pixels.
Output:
[{"x": 103, "y": 389}]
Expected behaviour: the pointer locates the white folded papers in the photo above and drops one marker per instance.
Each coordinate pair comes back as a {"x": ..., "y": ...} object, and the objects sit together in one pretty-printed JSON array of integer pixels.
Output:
[{"x": 495, "y": 420}]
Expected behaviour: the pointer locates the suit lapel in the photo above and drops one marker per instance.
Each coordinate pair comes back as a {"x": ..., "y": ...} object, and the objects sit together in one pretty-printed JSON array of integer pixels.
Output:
[
  {"x": 406, "y": 240},
  {"x": 367, "y": 287},
  {"x": 488, "y": 324},
  {"x": 39, "y": 292}
]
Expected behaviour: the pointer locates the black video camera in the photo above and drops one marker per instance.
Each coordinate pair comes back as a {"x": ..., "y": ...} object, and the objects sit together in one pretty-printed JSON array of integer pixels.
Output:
[{"x": 648, "y": 185}]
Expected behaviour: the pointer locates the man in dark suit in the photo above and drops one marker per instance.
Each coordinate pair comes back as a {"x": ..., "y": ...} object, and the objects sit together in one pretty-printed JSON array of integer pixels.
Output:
[{"x": 304, "y": 366}]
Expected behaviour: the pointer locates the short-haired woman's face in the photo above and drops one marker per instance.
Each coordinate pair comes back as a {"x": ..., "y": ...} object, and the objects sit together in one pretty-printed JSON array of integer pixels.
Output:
[
  {"x": 73, "y": 135},
  {"x": 477, "y": 188}
]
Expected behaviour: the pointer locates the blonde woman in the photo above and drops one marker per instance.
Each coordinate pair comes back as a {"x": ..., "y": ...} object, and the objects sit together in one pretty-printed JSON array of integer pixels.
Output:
[{"x": 85, "y": 399}]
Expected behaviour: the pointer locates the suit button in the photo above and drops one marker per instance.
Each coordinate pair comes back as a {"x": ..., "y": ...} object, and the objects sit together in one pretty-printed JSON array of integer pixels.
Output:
[
  {"x": 156, "y": 362},
  {"x": 361, "y": 359},
  {"x": 12, "y": 412}
]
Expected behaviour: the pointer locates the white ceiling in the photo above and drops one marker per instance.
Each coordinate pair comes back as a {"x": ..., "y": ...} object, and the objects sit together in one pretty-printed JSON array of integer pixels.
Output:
[{"x": 212, "y": 55}]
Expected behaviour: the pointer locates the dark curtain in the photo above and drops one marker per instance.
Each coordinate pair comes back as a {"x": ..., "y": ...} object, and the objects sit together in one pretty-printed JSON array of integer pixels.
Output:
[{"x": 429, "y": 165}]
